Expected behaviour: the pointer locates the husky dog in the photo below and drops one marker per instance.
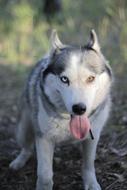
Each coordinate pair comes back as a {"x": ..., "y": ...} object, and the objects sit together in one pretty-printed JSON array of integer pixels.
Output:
[{"x": 66, "y": 99}]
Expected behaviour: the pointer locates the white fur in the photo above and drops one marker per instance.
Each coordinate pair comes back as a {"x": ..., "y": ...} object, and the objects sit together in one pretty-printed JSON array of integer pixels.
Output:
[{"x": 55, "y": 128}]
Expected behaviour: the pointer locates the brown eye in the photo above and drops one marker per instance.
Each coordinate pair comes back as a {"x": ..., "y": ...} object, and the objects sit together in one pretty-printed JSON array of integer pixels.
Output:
[{"x": 90, "y": 79}]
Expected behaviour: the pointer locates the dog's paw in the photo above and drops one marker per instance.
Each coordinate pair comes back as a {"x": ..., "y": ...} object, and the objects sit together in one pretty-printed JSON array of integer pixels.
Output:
[
  {"x": 16, "y": 164},
  {"x": 90, "y": 181},
  {"x": 93, "y": 186}
]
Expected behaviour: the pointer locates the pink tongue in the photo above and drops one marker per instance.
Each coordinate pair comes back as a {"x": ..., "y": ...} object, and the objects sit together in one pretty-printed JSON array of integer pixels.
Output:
[{"x": 79, "y": 126}]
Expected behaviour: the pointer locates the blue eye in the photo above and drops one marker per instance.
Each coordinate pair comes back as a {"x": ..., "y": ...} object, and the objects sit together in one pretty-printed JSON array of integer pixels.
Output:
[{"x": 64, "y": 79}]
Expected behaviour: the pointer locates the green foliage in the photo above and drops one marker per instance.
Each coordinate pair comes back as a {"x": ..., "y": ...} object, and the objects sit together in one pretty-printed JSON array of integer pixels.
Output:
[{"x": 24, "y": 36}]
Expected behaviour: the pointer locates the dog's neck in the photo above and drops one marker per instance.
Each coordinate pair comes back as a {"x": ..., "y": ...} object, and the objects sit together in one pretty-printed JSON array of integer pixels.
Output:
[{"x": 100, "y": 107}]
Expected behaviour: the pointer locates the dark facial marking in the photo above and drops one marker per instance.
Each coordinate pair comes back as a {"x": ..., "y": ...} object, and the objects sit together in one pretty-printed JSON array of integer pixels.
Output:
[
  {"x": 88, "y": 48},
  {"x": 59, "y": 60},
  {"x": 56, "y": 65},
  {"x": 108, "y": 70}
]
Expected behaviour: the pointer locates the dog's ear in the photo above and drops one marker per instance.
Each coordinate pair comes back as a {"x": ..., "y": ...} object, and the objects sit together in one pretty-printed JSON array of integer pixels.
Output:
[
  {"x": 56, "y": 44},
  {"x": 93, "y": 41}
]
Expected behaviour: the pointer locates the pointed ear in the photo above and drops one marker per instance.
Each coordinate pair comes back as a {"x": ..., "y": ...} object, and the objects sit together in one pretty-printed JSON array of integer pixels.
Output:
[
  {"x": 93, "y": 41},
  {"x": 56, "y": 44}
]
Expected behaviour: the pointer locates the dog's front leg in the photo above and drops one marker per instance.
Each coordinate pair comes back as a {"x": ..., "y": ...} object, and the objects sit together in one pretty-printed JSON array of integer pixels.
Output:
[
  {"x": 88, "y": 169},
  {"x": 45, "y": 150}
]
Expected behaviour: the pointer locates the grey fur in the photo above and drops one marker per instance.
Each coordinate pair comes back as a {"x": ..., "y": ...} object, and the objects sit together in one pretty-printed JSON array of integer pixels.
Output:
[{"x": 45, "y": 116}]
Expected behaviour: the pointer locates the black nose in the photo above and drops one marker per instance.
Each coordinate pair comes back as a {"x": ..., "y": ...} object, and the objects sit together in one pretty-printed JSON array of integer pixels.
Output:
[{"x": 79, "y": 109}]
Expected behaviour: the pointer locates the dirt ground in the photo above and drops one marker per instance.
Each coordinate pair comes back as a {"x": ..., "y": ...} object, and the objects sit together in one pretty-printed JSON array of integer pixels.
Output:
[{"x": 111, "y": 160}]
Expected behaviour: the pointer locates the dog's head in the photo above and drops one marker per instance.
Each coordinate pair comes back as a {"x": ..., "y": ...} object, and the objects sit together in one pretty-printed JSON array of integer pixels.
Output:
[{"x": 79, "y": 78}]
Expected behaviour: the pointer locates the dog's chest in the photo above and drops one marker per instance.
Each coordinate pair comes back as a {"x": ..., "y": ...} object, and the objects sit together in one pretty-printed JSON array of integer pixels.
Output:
[
  {"x": 55, "y": 128},
  {"x": 59, "y": 130}
]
